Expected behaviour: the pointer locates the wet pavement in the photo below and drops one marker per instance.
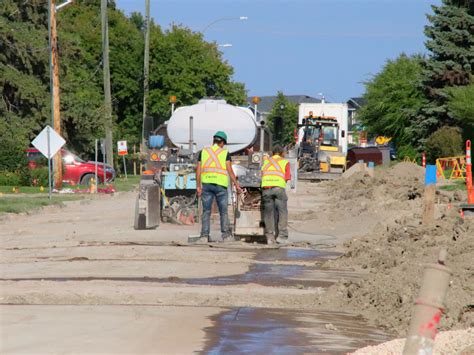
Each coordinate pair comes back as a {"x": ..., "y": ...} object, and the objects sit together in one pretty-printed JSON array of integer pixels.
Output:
[
  {"x": 276, "y": 267},
  {"x": 269, "y": 330},
  {"x": 277, "y": 331}
]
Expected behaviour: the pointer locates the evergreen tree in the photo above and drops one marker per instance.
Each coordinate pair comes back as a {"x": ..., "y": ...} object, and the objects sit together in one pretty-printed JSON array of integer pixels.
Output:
[
  {"x": 450, "y": 63},
  {"x": 283, "y": 120}
]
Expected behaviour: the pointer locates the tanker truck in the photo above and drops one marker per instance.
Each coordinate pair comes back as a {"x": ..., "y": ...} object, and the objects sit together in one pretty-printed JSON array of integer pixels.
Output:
[{"x": 167, "y": 191}]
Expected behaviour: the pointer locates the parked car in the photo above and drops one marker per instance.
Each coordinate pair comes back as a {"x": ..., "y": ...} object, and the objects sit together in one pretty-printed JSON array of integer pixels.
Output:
[{"x": 75, "y": 170}]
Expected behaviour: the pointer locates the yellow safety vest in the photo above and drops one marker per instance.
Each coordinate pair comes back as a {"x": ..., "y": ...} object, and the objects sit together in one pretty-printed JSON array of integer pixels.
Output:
[
  {"x": 213, "y": 166},
  {"x": 273, "y": 172}
]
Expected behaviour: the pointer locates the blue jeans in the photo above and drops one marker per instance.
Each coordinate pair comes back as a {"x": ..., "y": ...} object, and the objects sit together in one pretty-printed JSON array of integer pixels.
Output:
[{"x": 209, "y": 192}]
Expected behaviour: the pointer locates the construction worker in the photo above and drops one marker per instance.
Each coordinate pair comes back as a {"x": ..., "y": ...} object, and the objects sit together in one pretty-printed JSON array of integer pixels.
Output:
[
  {"x": 212, "y": 178},
  {"x": 275, "y": 174}
]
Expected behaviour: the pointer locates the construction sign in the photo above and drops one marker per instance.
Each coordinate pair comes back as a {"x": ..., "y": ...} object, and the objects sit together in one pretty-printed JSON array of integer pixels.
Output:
[{"x": 122, "y": 148}]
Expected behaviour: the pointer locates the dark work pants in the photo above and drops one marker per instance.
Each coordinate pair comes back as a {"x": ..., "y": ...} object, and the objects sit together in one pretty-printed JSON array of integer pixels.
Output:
[{"x": 275, "y": 206}]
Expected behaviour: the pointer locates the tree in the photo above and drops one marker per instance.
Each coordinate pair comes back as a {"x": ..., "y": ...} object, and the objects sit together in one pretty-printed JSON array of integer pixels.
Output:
[
  {"x": 283, "y": 119},
  {"x": 184, "y": 65},
  {"x": 450, "y": 63},
  {"x": 393, "y": 98},
  {"x": 461, "y": 108},
  {"x": 445, "y": 142}
]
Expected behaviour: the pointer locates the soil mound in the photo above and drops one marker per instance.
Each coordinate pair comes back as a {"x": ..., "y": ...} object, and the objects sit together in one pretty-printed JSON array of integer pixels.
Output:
[{"x": 394, "y": 253}]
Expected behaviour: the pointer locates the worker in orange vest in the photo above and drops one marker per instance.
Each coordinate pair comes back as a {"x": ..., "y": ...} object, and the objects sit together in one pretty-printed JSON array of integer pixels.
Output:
[
  {"x": 275, "y": 175},
  {"x": 213, "y": 171}
]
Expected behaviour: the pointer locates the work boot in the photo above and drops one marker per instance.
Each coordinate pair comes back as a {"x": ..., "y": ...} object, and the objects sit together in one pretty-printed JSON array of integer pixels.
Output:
[
  {"x": 227, "y": 238},
  {"x": 203, "y": 239},
  {"x": 271, "y": 241},
  {"x": 284, "y": 241}
]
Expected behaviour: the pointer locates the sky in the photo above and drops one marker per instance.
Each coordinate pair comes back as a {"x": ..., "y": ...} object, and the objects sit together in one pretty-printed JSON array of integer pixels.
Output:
[{"x": 301, "y": 47}]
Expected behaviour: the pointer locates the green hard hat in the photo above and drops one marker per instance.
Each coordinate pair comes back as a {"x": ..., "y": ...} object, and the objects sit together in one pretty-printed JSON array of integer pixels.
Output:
[{"x": 221, "y": 135}]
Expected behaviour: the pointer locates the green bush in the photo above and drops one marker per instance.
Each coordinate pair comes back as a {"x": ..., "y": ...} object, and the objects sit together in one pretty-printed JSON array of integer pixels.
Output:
[
  {"x": 406, "y": 151},
  {"x": 445, "y": 142},
  {"x": 39, "y": 176},
  {"x": 8, "y": 178}
]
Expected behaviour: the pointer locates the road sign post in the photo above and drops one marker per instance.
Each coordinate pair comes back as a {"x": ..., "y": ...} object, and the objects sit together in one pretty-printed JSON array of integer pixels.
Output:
[
  {"x": 48, "y": 142},
  {"x": 123, "y": 151}
]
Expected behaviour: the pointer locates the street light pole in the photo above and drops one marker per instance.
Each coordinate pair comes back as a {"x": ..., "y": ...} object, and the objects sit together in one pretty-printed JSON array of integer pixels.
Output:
[
  {"x": 146, "y": 64},
  {"x": 107, "y": 92},
  {"x": 240, "y": 18}
]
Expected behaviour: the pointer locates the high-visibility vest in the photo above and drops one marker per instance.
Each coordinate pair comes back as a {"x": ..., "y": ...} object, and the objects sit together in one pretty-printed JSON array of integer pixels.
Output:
[
  {"x": 213, "y": 166},
  {"x": 273, "y": 172}
]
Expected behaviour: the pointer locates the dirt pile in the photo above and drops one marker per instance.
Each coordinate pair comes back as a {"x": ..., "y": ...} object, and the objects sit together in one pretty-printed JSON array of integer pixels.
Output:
[
  {"x": 451, "y": 342},
  {"x": 395, "y": 252}
]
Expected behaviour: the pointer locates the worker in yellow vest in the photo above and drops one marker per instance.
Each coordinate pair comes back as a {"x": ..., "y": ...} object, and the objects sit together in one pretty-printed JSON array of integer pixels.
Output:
[
  {"x": 213, "y": 171},
  {"x": 275, "y": 174}
]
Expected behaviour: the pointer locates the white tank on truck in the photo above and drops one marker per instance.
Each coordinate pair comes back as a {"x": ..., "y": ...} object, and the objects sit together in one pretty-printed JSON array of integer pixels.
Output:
[{"x": 209, "y": 116}]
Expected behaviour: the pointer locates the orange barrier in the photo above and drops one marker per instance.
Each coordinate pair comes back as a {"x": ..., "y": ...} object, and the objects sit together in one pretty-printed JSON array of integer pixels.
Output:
[
  {"x": 452, "y": 168},
  {"x": 407, "y": 159}
]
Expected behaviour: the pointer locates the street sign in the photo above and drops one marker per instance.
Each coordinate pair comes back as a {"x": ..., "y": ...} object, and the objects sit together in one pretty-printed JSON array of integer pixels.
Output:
[
  {"x": 122, "y": 147},
  {"x": 48, "y": 142}
]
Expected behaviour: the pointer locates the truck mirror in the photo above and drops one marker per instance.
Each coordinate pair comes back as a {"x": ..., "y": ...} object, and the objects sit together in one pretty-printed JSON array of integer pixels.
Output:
[{"x": 343, "y": 133}]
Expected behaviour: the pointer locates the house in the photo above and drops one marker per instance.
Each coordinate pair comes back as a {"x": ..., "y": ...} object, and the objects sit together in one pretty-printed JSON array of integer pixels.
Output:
[{"x": 354, "y": 104}]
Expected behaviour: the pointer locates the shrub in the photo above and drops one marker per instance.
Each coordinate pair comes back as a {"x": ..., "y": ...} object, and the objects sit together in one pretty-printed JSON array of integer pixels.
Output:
[
  {"x": 8, "y": 178},
  {"x": 405, "y": 151},
  {"x": 445, "y": 142},
  {"x": 39, "y": 176}
]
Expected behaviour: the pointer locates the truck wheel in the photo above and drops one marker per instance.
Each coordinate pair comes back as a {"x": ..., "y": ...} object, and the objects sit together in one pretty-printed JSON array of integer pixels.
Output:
[
  {"x": 140, "y": 218},
  {"x": 86, "y": 179}
]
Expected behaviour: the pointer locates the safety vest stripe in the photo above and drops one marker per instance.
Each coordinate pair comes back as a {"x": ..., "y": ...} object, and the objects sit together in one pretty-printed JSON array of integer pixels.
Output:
[
  {"x": 273, "y": 163},
  {"x": 274, "y": 173},
  {"x": 213, "y": 158},
  {"x": 214, "y": 170}
]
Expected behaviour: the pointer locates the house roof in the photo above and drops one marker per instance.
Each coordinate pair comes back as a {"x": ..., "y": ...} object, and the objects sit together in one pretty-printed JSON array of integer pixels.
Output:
[
  {"x": 267, "y": 102},
  {"x": 356, "y": 102}
]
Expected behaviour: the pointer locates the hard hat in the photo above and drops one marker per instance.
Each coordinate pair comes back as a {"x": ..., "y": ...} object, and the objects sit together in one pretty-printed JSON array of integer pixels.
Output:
[{"x": 221, "y": 135}]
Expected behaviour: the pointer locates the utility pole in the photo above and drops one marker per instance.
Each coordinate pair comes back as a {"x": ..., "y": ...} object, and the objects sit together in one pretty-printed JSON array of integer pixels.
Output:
[
  {"x": 146, "y": 64},
  {"x": 54, "y": 82},
  {"x": 107, "y": 94}
]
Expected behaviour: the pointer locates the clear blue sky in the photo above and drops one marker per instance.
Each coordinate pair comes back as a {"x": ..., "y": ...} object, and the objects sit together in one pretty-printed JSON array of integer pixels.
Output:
[{"x": 302, "y": 46}]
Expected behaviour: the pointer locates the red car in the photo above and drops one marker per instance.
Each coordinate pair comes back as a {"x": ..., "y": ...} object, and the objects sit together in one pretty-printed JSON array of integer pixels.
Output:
[{"x": 76, "y": 170}]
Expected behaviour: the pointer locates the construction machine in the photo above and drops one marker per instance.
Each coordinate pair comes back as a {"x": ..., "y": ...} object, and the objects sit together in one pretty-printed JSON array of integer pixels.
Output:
[
  {"x": 167, "y": 190},
  {"x": 321, "y": 140},
  {"x": 319, "y": 152}
]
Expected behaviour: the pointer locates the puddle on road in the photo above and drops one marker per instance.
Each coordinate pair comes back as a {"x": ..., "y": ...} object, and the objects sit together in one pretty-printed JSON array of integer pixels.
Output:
[
  {"x": 294, "y": 254},
  {"x": 263, "y": 272},
  {"x": 266, "y": 331}
]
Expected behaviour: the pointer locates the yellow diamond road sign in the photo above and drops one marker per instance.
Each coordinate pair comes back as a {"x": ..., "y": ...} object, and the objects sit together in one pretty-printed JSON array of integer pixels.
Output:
[{"x": 48, "y": 137}]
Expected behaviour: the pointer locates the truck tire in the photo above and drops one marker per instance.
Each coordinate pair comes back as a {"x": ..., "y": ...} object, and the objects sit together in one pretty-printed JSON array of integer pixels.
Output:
[
  {"x": 86, "y": 179},
  {"x": 140, "y": 218}
]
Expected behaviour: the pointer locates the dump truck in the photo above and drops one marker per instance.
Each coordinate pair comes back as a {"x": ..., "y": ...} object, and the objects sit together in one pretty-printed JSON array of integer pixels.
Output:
[
  {"x": 321, "y": 140},
  {"x": 167, "y": 190}
]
